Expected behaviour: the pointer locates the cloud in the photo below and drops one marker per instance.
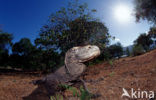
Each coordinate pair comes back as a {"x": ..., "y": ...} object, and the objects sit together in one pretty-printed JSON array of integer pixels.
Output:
[
  {"x": 117, "y": 39},
  {"x": 146, "y": 32}
]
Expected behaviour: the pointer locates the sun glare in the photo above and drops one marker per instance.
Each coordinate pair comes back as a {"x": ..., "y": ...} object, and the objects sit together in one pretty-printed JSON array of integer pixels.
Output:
[{"x": 122, "y": 13}]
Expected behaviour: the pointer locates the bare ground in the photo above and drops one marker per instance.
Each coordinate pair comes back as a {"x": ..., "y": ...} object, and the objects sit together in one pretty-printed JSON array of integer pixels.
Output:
[{"x": 107, "y": 80}]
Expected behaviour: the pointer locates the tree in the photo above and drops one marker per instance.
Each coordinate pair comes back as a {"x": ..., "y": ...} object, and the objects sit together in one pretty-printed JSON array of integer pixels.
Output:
[
  {"x": 138, "y": 50},
  {"x": 21, "y": 51},
  {"x": 5, "y": 40},
  {"x": 116, "y": 50},
  {"x": 146, "y": 10},
  {"x": 144, "y": 40},
  {"x": 5, "y": 43},
  {"x": 152, "y": 35},
  {"x": 152, "y": 32},
  {"x": 72, "y": 26},
  {"x": 23, "y": 47},
  {"x": 31, "y": 58},
  {"x": 105, "y": 55},
  {"x": 43, "y": 60}
]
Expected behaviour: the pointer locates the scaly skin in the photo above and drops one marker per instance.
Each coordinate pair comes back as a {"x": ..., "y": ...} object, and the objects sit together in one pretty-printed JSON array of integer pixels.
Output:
[{"x": 73, "y": 69}]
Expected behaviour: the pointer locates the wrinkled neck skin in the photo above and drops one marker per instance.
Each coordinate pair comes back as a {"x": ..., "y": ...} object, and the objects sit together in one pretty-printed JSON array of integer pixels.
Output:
[{"x": 76, "y": 56}]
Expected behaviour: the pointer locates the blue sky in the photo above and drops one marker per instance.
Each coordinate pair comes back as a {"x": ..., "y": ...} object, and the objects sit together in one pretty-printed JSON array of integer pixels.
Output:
[{"x": 24, "y": 18}]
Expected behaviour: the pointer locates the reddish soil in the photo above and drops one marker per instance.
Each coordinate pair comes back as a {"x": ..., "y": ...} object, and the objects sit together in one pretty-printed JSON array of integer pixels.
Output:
[{"x": 107, "y": 80}]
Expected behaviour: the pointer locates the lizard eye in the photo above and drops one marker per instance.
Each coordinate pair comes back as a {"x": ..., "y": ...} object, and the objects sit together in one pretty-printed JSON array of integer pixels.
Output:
[{"x": 89, "y": 47}]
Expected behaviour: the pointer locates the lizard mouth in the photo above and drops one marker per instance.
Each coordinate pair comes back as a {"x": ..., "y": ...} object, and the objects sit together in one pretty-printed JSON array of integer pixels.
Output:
[
  {"x": 92, "y": 57},
  {"x": 91, "y": 53}
]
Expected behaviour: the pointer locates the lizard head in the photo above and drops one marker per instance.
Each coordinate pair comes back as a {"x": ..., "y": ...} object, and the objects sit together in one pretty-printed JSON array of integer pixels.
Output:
[
  {"x": 77, "y": 55},
  {"x": 85, "y": 53}
]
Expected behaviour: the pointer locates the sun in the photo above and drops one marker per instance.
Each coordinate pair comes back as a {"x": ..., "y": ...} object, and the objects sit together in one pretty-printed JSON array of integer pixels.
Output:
[{"x": 122, "y": 13}]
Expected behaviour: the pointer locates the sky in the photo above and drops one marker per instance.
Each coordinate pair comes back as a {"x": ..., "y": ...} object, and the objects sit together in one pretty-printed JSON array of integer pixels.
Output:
[{"x": 24, "y": 18}]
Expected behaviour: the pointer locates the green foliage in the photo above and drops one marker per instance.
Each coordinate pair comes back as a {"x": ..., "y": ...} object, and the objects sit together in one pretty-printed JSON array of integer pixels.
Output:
[
  {"x": 152, "y": 32},
  {"x": 74, "y": 91},
  {"x": 5, "y": 43},
  {"x": 14, "y": 80},
  {"x": 138, "y": 50},
  {"x": 64, "y": 86},
  {"x": 4, "y": 56},
  {"x": 22, "y": 52},
  {"x": 112, "y": 74},
  {"x": 146, "y": 10},
  {"x": 57, "y": 97},
  {"x": 105, "y": 55},
  {"x": 72, "y": 26},
  {"x": 31, "y": 58},
  {"x": 94, "y": 62},
  {"x": 84, "y": 94},
  {"x": 144, "y": 40},
  {"x": 5, "y": 39},
  {"x": 152, "y": 35},
  {"x": 115, "y": 50},
  {"x": 110, "y": 62},
  {"x": 47, "y": 60},
  {"x": 23, "y": 47}
]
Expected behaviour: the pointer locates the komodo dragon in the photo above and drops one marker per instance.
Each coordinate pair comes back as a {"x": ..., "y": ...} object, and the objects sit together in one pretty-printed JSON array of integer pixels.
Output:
[{"x": 73, "y": 68}]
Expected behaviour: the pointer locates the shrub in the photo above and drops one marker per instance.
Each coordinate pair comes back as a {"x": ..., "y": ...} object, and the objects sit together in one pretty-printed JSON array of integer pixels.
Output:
[
  {"x": 110, "y": 62},
  {"x": 138, "y": 50},
  {"x": 82, "y": 95},
  {"x": 57, "y": 97}
]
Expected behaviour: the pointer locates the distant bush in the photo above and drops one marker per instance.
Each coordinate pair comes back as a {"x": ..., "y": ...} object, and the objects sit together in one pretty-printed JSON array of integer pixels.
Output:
[
  {"x": 105, "y": 55},
  {"x": 138, "y": 50},
  {"x": 115, "y": 50},
  {"x": 108, "y": 53}
]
